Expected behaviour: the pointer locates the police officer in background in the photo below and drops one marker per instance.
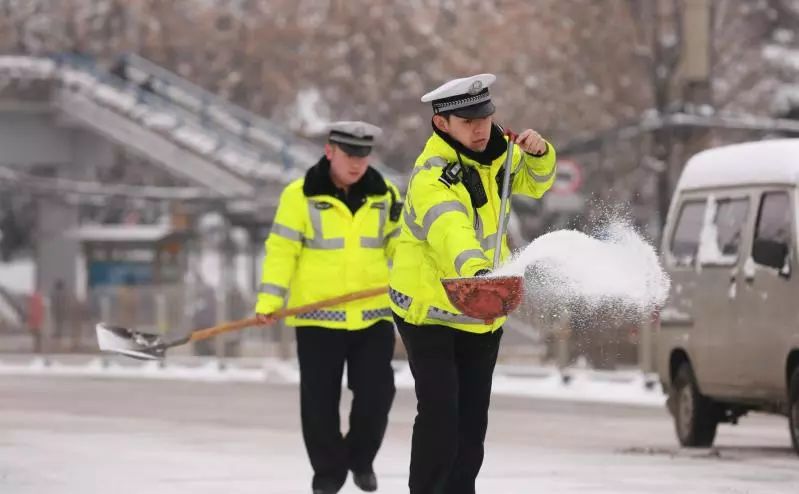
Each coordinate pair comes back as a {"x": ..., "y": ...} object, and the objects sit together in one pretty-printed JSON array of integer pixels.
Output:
[
  {"x": 334, "y": 233},
  {"x": 449, "y": 230}
]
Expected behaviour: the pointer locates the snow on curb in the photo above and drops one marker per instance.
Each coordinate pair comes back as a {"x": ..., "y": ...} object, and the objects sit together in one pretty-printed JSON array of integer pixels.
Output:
[
  {"x": 628, "y": 388},
  {"x": 98, "y": 367},
  {"x": 583, "y": 387}
]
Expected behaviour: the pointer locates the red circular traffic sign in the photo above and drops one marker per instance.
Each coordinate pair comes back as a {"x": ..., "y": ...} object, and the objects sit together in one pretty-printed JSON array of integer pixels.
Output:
[{"x": 568, "y": 178}]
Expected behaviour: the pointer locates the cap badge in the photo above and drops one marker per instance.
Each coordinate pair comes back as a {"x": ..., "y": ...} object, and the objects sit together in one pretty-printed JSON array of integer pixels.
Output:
[{"x": 475, "y": 87}]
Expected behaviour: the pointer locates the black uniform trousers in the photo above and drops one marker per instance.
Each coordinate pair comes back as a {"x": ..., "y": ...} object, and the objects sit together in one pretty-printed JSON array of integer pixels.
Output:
[
  {"x": 453, "y": 371},
  {"x": 322, "y": 353}
]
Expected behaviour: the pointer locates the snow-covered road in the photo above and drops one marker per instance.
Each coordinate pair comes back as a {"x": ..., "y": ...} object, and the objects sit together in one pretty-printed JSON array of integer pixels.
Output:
[{"x": 172, "y": 437}]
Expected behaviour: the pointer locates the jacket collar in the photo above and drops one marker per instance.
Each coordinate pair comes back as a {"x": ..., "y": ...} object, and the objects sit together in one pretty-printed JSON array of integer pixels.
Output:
[
  {"x": 318, "y": 182},
  {"x": 497, "y": 146},
  {"x": 437, "y": 146}
]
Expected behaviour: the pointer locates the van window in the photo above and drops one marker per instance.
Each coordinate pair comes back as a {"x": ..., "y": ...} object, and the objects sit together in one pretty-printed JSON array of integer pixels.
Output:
[
  {"x": 722, "y": 230},
  {"x": 685, "y": 242},
  {"x": 774, "y": 220},
  {"x": 730, "y": 220}
]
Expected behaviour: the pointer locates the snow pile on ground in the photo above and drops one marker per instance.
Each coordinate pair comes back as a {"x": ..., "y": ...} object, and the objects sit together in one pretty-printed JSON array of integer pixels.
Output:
[
  {"x": 17, "y": 276},
  {"x": 113, "y": 368},
  {"x": 623, "y": 387},
  {"x": 615, "y": 267}
]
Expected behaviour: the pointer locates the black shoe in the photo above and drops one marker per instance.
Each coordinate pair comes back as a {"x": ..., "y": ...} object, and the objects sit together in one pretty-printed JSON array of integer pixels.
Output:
[
  {"x": 366, "y": 481},
  {"x": 329, "y": 489}
]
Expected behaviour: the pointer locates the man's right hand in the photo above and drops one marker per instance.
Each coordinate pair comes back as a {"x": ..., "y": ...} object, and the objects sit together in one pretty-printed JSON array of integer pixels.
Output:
[{"x": 266, "y": 319}]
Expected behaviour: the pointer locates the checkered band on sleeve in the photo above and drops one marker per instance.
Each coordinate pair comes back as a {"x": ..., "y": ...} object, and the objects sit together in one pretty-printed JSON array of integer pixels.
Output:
[{"x": 324, "y": 315}]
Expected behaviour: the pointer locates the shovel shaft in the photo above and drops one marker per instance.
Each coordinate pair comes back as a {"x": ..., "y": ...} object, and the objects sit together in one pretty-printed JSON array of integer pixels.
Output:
[
  {"x": 203, "y": 334},
  {"x": 503, "y": 203}
]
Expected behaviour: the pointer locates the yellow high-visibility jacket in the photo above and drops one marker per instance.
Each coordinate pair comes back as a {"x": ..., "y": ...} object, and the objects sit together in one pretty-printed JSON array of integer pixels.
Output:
[
  {"x": 444, "y": 236},
  {"x": 318, "y": 249}
]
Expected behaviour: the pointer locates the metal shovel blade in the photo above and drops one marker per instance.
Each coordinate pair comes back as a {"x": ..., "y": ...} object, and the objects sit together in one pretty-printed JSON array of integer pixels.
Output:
[
  {"x": 485, "y": 298},
  {"x": 143, "y": 346}
]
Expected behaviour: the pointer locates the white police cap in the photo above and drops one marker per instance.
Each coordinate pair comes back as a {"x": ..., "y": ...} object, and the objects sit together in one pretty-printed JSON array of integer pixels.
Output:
[
  {"x": 354, "y": 137},
  {"x": 467, "y": 97}
]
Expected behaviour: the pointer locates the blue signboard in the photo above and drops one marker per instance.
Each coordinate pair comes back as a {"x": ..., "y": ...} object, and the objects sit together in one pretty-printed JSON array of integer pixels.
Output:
[{"x": 120, "y": 273}]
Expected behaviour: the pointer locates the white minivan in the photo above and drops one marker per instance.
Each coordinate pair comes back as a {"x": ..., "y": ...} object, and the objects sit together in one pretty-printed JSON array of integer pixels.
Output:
[{"x": 728, "y": 338}]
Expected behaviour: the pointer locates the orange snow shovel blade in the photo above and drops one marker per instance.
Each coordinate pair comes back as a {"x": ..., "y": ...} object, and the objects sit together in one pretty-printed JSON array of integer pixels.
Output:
[{"x": 485, "y": 298}]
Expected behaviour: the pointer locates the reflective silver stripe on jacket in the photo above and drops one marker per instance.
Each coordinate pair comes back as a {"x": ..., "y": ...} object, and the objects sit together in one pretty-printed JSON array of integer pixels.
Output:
[
  {"x": 437, "y": 211},
  {"x": 464, "y": 256},
  {"x": 272, "y": 289},
  {"x": 444, "y": 315},
  {"x": 286, "y": 232},
  {"x": 324, "y": 315},
  {"x": 515, "y": 169},
  {"x": 370, "y": 314},
  {"x": 431, "y": 216},
  {"x": 318, "y": 242},
  {"x": 487, "y": 242},
  {"x": 379, "y": 241},
  {"x": 409, "y": 215},
  {"x": 394, "y": 234},
  {"x": 404, "y": 302},
  {"x": 540, "y": 178},
  {"x": 432, "y": 162}
]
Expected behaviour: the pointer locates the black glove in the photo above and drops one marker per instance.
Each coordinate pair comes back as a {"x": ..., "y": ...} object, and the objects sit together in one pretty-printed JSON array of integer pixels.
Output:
[{"x": 483, "y": 272}]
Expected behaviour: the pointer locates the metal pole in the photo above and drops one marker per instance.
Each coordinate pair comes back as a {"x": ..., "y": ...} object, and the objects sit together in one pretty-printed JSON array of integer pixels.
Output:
[
  {"x": 645, "y": 342},
  {"x": 161, "y": 312},
  {"x": 503, "y": 202},
  {"x": 105, "y": 315},
  {"x": 562, "y": 336},
  {"x": 222, "y": 291}
]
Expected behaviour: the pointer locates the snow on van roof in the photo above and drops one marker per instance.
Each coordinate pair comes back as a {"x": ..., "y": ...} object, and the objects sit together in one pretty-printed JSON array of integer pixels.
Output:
[{"x": 764, "y": 162}]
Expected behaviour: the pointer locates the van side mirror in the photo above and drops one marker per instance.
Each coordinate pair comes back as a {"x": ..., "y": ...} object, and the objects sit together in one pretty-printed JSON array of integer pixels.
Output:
[{"x": 772, "y": 254}]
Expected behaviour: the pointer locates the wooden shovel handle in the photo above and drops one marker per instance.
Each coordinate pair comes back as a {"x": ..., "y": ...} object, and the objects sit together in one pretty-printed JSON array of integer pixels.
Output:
[{"x": 203, "y": 334}]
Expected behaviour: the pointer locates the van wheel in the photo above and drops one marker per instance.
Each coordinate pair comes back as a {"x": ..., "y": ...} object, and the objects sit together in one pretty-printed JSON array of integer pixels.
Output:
[
  {"x": 793, "y": 409},
  {"x": 695, "y": 416}
]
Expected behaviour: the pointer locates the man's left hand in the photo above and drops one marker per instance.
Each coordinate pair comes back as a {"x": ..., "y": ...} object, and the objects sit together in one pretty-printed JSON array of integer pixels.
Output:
[{"x": 531, "y": 142}]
